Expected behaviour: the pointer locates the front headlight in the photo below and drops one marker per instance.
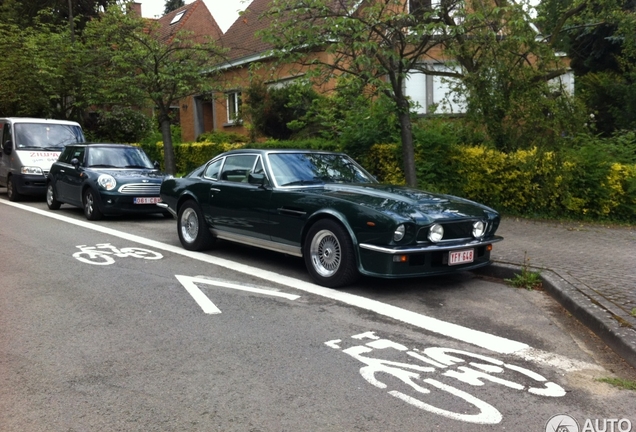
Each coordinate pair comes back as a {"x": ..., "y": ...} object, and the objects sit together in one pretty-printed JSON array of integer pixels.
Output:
[
  {"x": 31, "y": 170},
  {"x": 107, "y": 181},
  {"x": 435, "y": 233},
  {"x": 399, "y": 233},
  {"x": 478, "y": 229}
]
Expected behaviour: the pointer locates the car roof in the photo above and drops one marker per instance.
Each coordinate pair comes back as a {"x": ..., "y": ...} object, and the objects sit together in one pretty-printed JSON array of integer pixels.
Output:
[
  {"x": 273, "y": 150},
  {"x": 97, "y": 144}
]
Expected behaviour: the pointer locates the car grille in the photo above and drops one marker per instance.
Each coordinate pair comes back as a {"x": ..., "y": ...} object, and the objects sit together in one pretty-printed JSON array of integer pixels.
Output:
[
  {"x": 452, "y": 231},
  {"x": 140, "y": 189}
]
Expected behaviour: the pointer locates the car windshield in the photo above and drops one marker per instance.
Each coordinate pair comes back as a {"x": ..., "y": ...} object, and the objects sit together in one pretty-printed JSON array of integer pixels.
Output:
[
  {"x": 46, "y": 136},
  {"x": 297, "y": 169},
  {"x": 117, "y": 157}
]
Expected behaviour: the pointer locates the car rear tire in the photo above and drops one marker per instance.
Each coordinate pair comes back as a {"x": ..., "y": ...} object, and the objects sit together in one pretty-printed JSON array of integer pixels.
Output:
[
  {"x": 193, "y": 231},
  {"x": 51, "y": 202},
  {"x": 12, "y": 190},
  {"x": 329, "y": 254},
  {"x": 91, "y": 207}
]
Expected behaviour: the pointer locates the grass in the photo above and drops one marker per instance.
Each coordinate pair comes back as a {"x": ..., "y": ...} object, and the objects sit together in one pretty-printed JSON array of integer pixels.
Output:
[
  {"x": 526, "y": 279},
  {"x": 619, "y": 382}
]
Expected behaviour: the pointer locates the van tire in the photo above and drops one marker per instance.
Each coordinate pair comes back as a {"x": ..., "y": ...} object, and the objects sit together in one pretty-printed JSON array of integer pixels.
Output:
[{"x": 12, "y": 190}]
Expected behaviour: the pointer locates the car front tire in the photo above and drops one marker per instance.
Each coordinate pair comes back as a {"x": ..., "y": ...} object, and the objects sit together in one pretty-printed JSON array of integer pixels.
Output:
[
  {"x": 329, "y": 254},
  {"x": 12, "y": 190},
  {"x": 91, "y": 207},
  {"x": 192, "y": 228},
  {"x": 51, "y": 202}
]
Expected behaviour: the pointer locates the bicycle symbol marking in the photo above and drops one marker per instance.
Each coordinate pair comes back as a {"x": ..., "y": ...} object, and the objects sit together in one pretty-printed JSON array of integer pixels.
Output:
[
  {"x": 463, "y": 366},
  {"x": 104, "y": 253}
]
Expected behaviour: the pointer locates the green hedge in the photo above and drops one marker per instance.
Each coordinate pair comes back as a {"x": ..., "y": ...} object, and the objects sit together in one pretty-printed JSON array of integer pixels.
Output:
[{"x": 525, "y": 182}]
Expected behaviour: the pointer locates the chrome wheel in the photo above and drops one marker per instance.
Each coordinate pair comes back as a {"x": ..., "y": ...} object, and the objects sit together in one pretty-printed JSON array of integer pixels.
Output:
[
  {"x": 326, "y": 253},
  {"x": 189, "y": 225}
]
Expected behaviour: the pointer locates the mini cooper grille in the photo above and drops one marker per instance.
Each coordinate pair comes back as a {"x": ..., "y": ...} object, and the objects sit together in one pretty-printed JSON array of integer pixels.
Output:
[
  {"x": 452, "y": 231},
  {"x": 140, "y": 189}
]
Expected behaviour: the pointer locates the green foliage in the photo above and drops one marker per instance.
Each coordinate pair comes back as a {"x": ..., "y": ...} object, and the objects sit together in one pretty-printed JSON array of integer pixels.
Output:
[
  {"x": 527, "y": 279},
  {"x": 152, "y": 143},
  {"x": 279, "y": 112},
  {"x": 620, "y": 383},
  {"x": 222, "y": 137},
  {"x": 172, "y": 5},
  {"x": 119, "y": 125}
]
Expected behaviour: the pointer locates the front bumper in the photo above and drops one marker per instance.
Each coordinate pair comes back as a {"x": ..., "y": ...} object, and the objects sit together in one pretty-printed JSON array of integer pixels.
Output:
[
  {"x": 426, "y": 260},
  {"x": 116, "y": 204},
  {"x": 30, "y": 184}
]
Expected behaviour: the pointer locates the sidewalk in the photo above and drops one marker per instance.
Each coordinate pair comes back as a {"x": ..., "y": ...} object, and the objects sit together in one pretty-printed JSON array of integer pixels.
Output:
[{"x": 589, "y": 269}]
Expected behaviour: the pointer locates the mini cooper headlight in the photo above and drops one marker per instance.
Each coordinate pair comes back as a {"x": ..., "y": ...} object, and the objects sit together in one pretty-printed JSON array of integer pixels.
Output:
[
  {"x": 478, "y": 229},
  {"x": 435, "y": 233},
  {"x": 399, "y": 233},
  {"x": 107, "y": 181}
]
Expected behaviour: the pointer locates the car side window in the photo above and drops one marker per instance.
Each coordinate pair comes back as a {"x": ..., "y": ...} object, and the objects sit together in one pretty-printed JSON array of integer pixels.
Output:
[
  {"x": 237, "y": 168},
  {"x": 76, "y": 153},
  {"x": 212, "y": 170}
]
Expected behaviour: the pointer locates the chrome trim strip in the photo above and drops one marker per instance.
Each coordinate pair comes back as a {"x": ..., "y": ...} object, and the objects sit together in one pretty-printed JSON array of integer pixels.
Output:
[
  {"x": 432, "y": 248},
  {"x": 257, "y": 242},
  {"x": 294, "y": 212},
  {"x": 165, "y": 206}
]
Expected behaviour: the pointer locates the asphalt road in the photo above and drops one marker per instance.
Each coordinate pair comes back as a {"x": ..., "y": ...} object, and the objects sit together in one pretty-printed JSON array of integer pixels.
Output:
[{"x": 237, "y": 339}]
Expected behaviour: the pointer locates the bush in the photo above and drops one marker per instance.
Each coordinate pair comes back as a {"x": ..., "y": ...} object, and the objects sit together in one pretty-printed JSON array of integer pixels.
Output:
[
  {"x": 119, "y": 125},
  {"x": 222, "y": 137}
]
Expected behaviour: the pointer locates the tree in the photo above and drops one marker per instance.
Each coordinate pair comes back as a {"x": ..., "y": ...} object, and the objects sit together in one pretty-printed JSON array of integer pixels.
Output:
[
  {"x": 172, "y": 5},
  {"x": 382, "y": 42},
  {"x": 24, "y": 13},
  {"x": 134, "y": 63},
  {"x": 41, "y": 72}
]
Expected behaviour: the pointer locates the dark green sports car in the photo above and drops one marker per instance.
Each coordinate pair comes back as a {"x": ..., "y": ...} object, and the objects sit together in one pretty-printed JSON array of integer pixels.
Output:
[{"x": 326, "y": 208}]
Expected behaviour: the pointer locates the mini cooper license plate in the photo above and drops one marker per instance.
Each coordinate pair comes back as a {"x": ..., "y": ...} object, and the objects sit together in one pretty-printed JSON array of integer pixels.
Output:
[
  {"x": 147, "y": 200},
  {"x": 461, "y": 257}
]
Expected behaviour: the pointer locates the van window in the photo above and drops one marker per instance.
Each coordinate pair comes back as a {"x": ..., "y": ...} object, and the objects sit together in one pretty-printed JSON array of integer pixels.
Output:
[{"x": 46, "y": 135}]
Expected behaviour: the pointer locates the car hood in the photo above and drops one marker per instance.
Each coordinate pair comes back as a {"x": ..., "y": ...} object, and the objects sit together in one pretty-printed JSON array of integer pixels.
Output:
[
  {"x": 132, "y": 173},
  {"x": 408, "y": 202}
]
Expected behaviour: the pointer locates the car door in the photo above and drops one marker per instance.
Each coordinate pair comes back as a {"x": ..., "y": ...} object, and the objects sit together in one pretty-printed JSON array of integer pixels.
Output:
[
  {"x": 68, "y": 177},
  {"x": 238, "y": 207}
]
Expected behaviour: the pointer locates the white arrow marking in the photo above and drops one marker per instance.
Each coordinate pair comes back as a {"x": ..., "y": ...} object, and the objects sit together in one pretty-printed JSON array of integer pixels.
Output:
[{"x": 208, "y": 307}]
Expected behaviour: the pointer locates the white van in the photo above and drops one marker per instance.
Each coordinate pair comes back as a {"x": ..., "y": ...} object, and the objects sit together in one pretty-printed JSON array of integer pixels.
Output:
[{"x": 28, "y": 148}]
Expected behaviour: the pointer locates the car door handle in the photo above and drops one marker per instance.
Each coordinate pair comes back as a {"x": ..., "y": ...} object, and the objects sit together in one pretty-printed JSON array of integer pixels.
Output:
[{"x": 215, "y": 190}]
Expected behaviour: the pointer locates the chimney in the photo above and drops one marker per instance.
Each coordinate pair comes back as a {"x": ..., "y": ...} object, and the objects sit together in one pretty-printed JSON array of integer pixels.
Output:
[{"x": 135, "y": 9}]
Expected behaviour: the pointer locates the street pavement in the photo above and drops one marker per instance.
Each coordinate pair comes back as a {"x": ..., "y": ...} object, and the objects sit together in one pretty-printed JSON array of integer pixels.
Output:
[{"x": 589, "y": 268}]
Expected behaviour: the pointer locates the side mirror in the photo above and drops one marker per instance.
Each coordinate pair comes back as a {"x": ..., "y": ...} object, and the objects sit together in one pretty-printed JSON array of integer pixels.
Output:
[
  {"x": 8, "y": 147},
  {"x": 257, "y": 179},
  {"x": 75, "y": 162},
  {"x": 156, "y": 164}
]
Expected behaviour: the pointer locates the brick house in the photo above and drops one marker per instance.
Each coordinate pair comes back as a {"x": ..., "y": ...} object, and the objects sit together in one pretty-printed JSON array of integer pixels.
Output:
[{"x": 204, "y": 113}]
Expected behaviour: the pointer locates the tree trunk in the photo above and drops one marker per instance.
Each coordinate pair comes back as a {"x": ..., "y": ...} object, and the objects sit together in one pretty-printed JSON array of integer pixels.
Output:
[
  {"x": 170, "y": 165},
  {"x": 408, "y": 151}
]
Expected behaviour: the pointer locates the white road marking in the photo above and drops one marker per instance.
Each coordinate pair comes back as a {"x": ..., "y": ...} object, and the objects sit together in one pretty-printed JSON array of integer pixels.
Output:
[
  {"x": 206, "y": 304},
  {"x": 475, "y": 337}
]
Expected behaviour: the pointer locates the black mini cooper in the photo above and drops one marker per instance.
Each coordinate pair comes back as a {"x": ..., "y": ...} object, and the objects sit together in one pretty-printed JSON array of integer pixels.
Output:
[{"x": 105, "y": 179}]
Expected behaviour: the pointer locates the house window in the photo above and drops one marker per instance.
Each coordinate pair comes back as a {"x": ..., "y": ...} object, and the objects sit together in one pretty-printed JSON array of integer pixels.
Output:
[
  {"x": 434, "y": 94},
  {"x": 177, "y": 18},
  {"x": 233, "y": 107}
]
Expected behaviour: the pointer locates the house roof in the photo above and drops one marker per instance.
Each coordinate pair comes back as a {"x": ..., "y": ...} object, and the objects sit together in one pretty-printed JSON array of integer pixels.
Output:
[
  {"x": 241, "y": 37},
  {"x": 194, "y": 17}
]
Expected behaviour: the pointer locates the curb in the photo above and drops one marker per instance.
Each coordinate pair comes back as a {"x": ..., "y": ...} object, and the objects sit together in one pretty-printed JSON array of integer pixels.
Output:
[{"x": 600, "y": 318}]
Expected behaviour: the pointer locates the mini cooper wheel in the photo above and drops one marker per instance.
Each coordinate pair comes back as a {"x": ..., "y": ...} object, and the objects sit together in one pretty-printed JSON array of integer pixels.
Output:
[
  {"x": 329, "y": 254},
  {"x": 51, "y": 202},
  {"x": 91, "y": 207},
  {"x": 192, "y": 228}
]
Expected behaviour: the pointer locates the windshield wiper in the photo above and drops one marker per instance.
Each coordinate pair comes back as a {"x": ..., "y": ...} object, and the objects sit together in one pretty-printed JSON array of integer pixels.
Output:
[
  {"x": 138, "y": 166},
  {"x": 102, "y": 166},
  {"x": 304, "y": 182}
]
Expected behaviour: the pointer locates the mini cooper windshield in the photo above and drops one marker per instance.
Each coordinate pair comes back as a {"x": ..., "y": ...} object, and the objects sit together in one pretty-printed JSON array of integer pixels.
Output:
[
  {"x": 118, "y": 157},
  {"x": 299, "y": 169}
]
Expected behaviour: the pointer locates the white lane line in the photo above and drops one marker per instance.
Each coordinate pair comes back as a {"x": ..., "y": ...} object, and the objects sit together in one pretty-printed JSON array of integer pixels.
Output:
[
  {"x": 202, "y": 300},
  {"x": 475, "y": 337}
]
